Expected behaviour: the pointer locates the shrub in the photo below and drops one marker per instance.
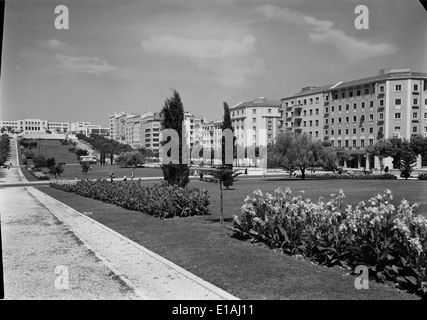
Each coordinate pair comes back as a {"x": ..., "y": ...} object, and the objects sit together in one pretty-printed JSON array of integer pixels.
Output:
[
  {"x": 159, "y": 200},
  {"x": 72, "y": 149},
  {"x": 29, "y": 154},
  {"x": 38, "y": 174},
  {"x": 392, "y": 244},
  {"x": 422, "y": 176},
  {"x": 39, "y": 161}
]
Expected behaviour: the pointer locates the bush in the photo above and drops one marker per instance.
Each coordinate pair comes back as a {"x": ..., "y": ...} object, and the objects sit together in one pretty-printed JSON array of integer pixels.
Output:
[
  {"x": 4, "y": 148},
  {"x": 392, "y": 244},
  {"x": 72, "y": 149},
  {"x": 39, "y": 161},
  {"x": 29, "y": 154},
  {"x": 38, "y": 174},
  {"x": 159, "y": 200},
  {"x": 328, "y": 176},
  {"x": 422, "y": 176}
]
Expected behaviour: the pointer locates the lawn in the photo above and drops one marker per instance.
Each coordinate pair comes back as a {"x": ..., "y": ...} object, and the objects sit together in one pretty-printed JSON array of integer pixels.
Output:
[
  {"x": 53, "y": 148},
  {"x": 250, "y": 271}
]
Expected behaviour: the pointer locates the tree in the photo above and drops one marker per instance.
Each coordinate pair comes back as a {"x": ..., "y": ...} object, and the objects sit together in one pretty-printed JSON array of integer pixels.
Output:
[
  {"x": 39, "y": 161},
  {"x": 133, "y": 158},
  {"x": 56, "y": 170},
  {"x": 226, "y": 124},
  {"x": 298, "y": 151},
  {"x": 407, "y": 162},
  {"x": 418, "y": 145},
  {"x": 382, "y": 149},
  {"x": 85, "y": 167},
  {"x": 81, "y": 152},
  {"x": 50, "y": 162},
  {"x": 226, "y": 177},
  {"x": 172, "y": 118}
]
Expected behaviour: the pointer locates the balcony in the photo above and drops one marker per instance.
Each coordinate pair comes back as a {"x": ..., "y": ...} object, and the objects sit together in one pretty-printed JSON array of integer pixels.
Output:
[{"x": 326, "y": 125}]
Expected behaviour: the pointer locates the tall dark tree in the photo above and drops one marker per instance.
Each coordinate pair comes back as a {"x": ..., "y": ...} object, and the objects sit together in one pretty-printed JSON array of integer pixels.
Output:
[
  {"x": 172, "y": 116},
  {"x": 227, "y": 124}
]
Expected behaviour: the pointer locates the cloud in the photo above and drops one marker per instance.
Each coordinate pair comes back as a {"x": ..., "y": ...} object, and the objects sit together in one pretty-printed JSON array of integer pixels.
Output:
[
  {"x": 231, "y": 61},
  {"x": 323, "y": 31},
  {"x": 199, "y": 48},
  {"x": 89, "y": 65}
]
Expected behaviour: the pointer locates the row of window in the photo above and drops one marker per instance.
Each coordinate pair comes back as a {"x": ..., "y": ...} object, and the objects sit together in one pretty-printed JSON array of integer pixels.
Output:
[
  {"x": 354, "y": 131},
  {"x": 243, "y": 111},
  {"x": 346, "y": 143}
]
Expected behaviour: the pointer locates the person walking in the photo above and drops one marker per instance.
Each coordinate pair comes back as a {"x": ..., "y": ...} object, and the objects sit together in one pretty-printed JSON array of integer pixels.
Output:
[
  {"x": 132, "y": 174},
  {"x": 124, "y": 178},
  {"x": 112, "y": 176}
]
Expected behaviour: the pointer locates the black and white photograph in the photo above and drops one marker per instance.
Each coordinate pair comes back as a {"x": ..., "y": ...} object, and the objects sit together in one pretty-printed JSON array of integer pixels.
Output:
[{"x": 207, "y": 155}]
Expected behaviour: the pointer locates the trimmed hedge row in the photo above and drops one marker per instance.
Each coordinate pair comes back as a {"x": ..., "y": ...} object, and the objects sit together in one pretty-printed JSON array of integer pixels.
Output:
[
  {"x": 159, "y": 200},
  {"x": 329, "y": 176}
]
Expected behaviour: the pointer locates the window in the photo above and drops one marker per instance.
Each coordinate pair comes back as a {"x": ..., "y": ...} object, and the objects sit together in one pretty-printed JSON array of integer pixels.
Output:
[
  {"x": 366, "y": 90},
  {"x": 253, "y": 119},
  {"x": 339, "y": 120},
  {"x": 339, "y": 108},
  {"x": 398, "y": 87},
  {"x": 332, "y": 132},
  {"x": 397, "y": 102},
  {"x": 355, "y": 106},
  {"x": 326, "y": 132},
  {"x": 343, "y": 94},
  {"x": 332, "y": 120},
  {"x": 381, "y": 116},
  {"x": 371, "y": 142},
  {"x": 371, "y": 104},
  {"x": 311, "y": 100},
  {"x": 358, "y": 92},
  {"x": 317, "y": 111},
  {"x": 354, "y": 118},
  {"x": 347, "y": 107},
  {"x": 363, "y": 105},
  {"x": 414, "y": 129},
  {"x": 317, "y": 122},
  {"x": 346, "y": 143},
  {"x": 415, "y": 101},
  {"x": 371, "y": 117},
  {"x": 346, "y": 131},
  {"x": 425, "y": 115},
  {"x": 305, "y": 123},
  {"x": 332, "y": 108},
  {"x": 362, "y": 130},
  {"x": 415, "y": 115},
  {"x": 339, "y": 143},
  {"x": 269, "y": 110},
  {"x": 362, "y": 143},
  {"x": 347, "y": 119},
  {"x": 354, "y": 131},
  {"x": 311, "y": 112},
  {"x": 397, "y": 129},
  {"x": 371, "y": 130},
  {"x": 311, "y": 123},
  {"x": 317, "y": 99},
  {"x": 326, "y": 110},
  {"x": 351, "y": 93},
  {"x": 354, "y": 143},
  {"x": 339, "y": 132},
  {"x": 381, "y": 103},
  {"x": 254, "y": 111},
  {"x": 415, "y": 87},
  {"x": 317, "y": 133},
  {"x": 398, "y": 115},
  {"x": 425, "y": 101},
  {"x": 382, "y": 89},
  {"x": 305, "y": 112}
]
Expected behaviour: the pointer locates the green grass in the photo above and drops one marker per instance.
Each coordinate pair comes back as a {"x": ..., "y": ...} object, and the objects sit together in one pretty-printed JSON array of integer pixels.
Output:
[
  {"x": 250, "y": 271},
  {"x": 53, "y": 148}
]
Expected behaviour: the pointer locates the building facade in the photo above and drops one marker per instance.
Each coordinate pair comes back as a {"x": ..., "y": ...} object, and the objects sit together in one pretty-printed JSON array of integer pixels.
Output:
[
  {"x": 356, "y": 114},
  {"x": 35, "y": 126},
  {"x": 256, "y": 122}
]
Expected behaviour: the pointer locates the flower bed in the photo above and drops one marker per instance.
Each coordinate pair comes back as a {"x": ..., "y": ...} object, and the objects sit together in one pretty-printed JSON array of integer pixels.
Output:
[
  {"x": 38, "y": 174},
  {"x": 390, "y": 243},
  {"x": 159, "y": 200},
  {"x": 328, "y": 176}
]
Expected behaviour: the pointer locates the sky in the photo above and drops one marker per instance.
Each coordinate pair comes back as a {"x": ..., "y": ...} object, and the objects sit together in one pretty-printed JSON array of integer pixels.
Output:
[{"x": 127, "y": 55}]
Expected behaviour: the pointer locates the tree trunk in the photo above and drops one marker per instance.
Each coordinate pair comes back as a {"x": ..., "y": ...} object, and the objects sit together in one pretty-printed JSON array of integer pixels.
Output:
[
  {"x": 221, "y": 219},
  {"x": 302, "y": 173}
]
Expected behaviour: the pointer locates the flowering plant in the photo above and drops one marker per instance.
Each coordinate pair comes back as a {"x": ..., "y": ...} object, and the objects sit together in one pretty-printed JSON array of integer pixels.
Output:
[{"x": 391, "y": 243}]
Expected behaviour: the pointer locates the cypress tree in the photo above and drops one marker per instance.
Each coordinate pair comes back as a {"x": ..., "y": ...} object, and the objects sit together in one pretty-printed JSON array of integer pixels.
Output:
[
  {"x": 172, "y": 118},
  {"x": 226, "y": 124}
]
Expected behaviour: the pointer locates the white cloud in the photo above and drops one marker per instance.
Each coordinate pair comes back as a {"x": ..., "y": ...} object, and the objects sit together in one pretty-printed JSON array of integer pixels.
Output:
[
  {"x": 323, "y": 31},
  {"x": 89, "y": 65}
]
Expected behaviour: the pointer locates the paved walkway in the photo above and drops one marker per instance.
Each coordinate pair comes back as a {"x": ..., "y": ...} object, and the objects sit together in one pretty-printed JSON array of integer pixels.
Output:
[{"x": 40, "y": 233}]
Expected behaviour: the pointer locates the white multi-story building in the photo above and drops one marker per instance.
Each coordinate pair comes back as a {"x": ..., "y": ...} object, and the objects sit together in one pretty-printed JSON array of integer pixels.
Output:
[
  {"x": 256, "y": 122},
  {"x": 35, "y": 126},
  {"x": 87, "y": 128}
]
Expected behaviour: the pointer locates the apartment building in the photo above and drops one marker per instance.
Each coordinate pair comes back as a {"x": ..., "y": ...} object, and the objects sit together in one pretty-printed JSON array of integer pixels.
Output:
[
  {"x": 256, "y": 122},
  {"x": 356, "y": 114},
  {"x": 35, "y": 126}
]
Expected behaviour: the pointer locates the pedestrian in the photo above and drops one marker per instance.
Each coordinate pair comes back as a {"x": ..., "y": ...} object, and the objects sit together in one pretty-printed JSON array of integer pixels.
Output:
[
  {"x": 76, "y": 178},
  {"x": 246, "y": 171},
  {"x": 201, "y": 176},
  {"x": 386, "y": 169},
  {"x": 132, "y": 174},
  {"x": 124, "y": 178},
  {"x": 112, "y": 176}
]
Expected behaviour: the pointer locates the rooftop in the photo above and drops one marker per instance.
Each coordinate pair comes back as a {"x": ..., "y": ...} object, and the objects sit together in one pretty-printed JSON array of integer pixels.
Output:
[{"x": 258, "y": 102}]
